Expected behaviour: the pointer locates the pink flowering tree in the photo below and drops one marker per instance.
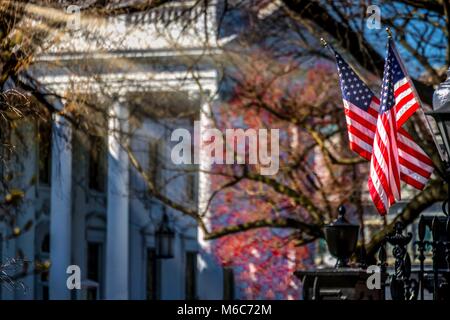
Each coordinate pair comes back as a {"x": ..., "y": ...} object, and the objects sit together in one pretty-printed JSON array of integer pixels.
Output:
[{"x": 264, "y": 225}]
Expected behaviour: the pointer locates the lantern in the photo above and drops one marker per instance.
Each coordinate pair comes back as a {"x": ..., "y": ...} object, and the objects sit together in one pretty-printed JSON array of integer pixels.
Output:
[{"x": 164, "y": 237}]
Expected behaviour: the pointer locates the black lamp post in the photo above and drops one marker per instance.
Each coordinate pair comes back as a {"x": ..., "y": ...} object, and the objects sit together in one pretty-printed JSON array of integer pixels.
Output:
[
  {"x": 164, "y": 237},
  {"x": 441, "y": 114},
  {"x": 442, "y": 117},
  {"x": 441, "y": 240}
]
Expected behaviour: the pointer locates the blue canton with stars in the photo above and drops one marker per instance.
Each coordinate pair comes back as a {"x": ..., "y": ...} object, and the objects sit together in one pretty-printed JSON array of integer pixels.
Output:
[
  {"x": 354, "y": 90},
  {"x": 392, "y": 73}
]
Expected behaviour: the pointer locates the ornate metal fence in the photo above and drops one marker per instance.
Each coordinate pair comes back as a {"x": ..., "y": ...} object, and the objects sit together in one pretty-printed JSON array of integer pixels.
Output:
[{"x": 434, "y": 277}]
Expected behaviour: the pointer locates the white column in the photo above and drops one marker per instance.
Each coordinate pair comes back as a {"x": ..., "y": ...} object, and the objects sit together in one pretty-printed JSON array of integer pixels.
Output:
[
  {"x": 116, "y": 286},
  {"x": 60, "y": 212},
  {"x": 210, "y": 274}
]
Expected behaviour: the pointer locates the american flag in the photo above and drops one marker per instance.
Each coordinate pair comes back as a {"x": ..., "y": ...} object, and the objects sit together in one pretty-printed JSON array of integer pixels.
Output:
[{"x": 405, "y": 159}]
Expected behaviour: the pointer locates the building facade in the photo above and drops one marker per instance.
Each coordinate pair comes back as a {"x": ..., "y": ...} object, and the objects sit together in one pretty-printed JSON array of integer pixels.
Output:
[{"x": 87, "y": 201}]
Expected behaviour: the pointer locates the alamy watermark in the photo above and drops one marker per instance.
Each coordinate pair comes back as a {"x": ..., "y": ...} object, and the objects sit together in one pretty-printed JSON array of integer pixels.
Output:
[
  {"x": 74, "y": 17},
  {"x": 374, "y": 18},
  {"x": 236, "y": 146},
  {"x": 74, "y": 278},
  {"x": 373, "y": 281}
]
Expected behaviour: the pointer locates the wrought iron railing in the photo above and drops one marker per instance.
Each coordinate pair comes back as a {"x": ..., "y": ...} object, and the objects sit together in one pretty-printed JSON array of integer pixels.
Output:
[{"x": 402, "y": 285}]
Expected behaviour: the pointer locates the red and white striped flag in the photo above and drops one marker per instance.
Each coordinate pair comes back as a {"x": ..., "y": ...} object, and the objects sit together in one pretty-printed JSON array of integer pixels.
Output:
[{"x": 403, "y": 158}]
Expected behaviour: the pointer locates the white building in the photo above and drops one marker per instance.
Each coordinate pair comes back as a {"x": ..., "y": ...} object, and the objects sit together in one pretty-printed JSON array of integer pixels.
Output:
[{"x": 87, "y": 207}]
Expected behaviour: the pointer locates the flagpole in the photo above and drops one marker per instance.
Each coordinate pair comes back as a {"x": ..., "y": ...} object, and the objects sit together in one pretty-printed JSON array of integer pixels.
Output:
[
  {"x": 389, "y": 32},
  {"x": 326, "y": 45}
]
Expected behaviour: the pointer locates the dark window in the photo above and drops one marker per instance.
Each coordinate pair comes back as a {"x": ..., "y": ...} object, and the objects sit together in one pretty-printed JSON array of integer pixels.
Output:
[
  {"x": 154, "y": 161},
  {"x": 45, "y": 293},
  {"x": 45, "y": 151},
  {"x": 228, "y": 284},
  {"x": 93, "y": 258},
  {"x": 44, "y": 274},
  {"x": 45, "y": 246},
  {"x": 97, "y": 163},
  {"x": 190, "y": 187},
  {"x": 191, "y": 275},
  {"x": 1, "y": 261},
  {"x": 94, "y": 269},
  {"x": 3, "y": 146},
  {"x": 152, "y": 276}
]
